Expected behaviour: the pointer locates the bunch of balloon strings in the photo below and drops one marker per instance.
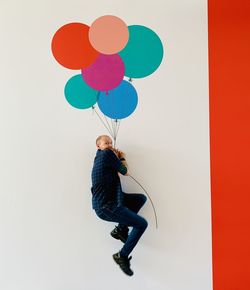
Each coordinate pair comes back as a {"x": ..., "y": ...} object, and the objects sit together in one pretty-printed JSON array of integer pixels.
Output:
[{"x": 112, "y": 127}]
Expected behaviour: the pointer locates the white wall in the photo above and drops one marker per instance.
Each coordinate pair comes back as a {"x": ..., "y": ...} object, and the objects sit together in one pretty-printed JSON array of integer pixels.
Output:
[{"x": 50, "y": 237}]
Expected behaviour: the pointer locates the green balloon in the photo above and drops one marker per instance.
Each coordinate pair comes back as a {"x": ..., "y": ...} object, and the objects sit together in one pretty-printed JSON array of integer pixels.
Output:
[
  {"x": 143, "y": 53},
  {"x": 79, "y": 94}
]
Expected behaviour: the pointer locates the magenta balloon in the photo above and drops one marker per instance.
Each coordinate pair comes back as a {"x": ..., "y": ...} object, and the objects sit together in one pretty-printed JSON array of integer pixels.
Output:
[{"x": 105, "y": 73}]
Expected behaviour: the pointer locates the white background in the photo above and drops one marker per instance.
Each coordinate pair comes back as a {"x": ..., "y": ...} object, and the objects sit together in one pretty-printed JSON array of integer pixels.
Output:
[{"x": 50, "y": 239}]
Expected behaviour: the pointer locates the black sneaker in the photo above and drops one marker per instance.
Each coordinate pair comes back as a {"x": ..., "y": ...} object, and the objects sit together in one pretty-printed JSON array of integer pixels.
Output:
[
  {"x": 120, "y": 234},
  {"x": 124, "y": 263}
]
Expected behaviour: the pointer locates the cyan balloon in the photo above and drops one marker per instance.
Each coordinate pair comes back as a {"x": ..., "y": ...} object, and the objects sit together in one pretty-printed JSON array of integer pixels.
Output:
[
  {"x": 143, "y": 53},
  {"x": 79, "y": 94},
  {"x": 120, "y": 102}
]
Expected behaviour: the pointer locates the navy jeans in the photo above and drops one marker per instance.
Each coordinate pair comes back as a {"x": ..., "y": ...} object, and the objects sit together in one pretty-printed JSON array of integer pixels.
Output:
[{"x": 126, "y": 215}]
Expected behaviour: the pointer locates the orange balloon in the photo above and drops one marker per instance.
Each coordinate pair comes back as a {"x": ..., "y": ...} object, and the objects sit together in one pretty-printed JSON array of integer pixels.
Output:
[
  {"x": 108, "y": 34},
  {"x": 71, "y": 47}
]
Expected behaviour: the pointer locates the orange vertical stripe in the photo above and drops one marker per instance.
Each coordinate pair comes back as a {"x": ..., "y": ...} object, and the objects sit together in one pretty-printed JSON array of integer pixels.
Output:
[{"x": 229, "y": 85}]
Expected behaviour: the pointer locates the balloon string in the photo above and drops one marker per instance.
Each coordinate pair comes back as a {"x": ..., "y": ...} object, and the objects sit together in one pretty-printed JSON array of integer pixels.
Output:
[
  {"x": 108, "y": 123},
  {"x": 102, "y": 121},
  {"x": 156, "y": 221},
  {"x": 116, "y": 123},
  {"x": 117, "y": 127},
  {"x": 114, "y": 130}
]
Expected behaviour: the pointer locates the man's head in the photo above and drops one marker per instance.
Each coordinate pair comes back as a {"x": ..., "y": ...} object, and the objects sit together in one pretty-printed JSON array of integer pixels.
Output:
[{"x": 104, "y": 142}]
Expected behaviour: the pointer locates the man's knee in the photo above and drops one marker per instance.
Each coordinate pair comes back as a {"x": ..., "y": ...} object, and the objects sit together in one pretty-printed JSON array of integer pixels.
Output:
[
  {"x": 144, "y": 224},
  {"x": 143, "y": 198}
]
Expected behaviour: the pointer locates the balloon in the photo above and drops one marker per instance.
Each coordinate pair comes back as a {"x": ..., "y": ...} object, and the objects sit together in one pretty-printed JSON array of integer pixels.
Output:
[
  {"x": 105, "y": 73},
  {"x": 143, "y": 52},
  {"x": 120, "y": 102},
  {"x": 79, "y": 94},
  {"x": 108, "y": 34},
  {"x": 71, "y": 47}
]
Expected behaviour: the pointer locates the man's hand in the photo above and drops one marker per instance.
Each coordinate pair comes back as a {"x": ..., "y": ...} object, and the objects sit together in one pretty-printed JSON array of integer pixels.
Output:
[{"x": 119, "y": 153}]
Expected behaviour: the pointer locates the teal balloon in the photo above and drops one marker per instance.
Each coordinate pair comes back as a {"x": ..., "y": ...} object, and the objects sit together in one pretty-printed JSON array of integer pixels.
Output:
[
  {"x": 143, "y": 53},
  {"x": 79, "y": 94}
]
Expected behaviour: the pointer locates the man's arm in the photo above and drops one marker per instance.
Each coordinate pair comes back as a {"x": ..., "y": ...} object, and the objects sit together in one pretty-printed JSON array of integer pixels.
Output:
[
  {"x": 121, "y": 156},
  {"x": 115, "y": 162}
]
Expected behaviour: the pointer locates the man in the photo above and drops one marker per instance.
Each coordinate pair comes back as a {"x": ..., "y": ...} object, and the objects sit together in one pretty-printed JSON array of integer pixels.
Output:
[{"x": 112, "y": 204}]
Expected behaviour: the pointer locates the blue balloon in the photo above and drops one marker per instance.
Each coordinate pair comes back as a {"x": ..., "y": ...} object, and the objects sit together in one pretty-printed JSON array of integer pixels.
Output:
[{"x": 120, "y": 102}]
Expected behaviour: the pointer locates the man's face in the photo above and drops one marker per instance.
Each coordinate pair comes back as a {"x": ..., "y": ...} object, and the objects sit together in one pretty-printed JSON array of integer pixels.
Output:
[{"x": 105, "y": 143}]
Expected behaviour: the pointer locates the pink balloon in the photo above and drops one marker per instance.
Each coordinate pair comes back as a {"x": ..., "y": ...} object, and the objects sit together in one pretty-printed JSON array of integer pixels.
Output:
[{"x": 105, "y": 73}]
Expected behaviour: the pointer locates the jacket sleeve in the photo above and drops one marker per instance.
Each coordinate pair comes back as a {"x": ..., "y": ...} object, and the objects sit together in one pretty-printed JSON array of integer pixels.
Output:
[
  {"x": 115, "y": 162},
  {"x": 120, "y": 195}
]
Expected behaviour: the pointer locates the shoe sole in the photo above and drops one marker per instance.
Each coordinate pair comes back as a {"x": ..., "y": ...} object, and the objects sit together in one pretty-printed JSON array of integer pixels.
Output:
[
  {"x": 118, "y": 237},
  {"x": 129, "y": 274}
]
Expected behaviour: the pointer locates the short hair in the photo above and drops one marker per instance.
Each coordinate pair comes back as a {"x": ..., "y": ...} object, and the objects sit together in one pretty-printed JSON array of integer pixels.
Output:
[{"x": 99, "y": 138}]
